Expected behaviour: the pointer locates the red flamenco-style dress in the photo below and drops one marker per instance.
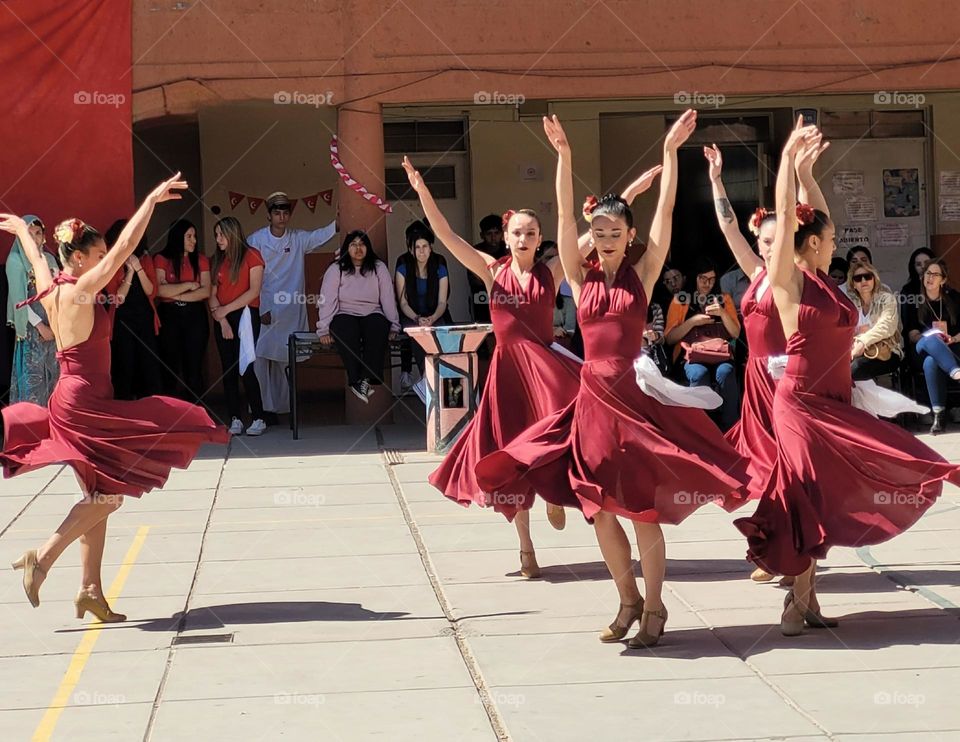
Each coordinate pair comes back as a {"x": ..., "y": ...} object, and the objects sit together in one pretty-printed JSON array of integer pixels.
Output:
[
  {"x": 614, "y": 447},
  {"x": 527, "y": 381},
  {"x": 841, "y": 477},
  {"x": 115, "y": 447},
  {"x": 752, "y": 436}
]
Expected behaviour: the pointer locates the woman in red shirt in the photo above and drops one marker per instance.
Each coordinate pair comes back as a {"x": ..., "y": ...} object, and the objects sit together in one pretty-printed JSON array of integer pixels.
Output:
[
  {"x": 183, "y": 275},
  {"x": 238, "y": 277}
]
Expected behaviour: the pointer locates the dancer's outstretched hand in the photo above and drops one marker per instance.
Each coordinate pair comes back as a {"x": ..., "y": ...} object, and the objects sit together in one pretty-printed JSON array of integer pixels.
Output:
[
  {"x": 555, "y": 133},
  {"x": 681, "y": 130},
  {"x": 12, "y": 223},
  {"x": 413, "y": 175},
  {"x": 809, "y": 152},
  {"x": 800, "y": 136},
  {"x": 712, "y": 153},
  {"x": 641, "y": 184},
  {"x": 167, "y": 190}
]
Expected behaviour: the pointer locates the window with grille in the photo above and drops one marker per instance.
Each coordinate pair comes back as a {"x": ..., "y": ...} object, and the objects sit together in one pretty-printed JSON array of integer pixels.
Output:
[
  {"x": 440, "y": 179},
  {"x": 405, "y": 137}
]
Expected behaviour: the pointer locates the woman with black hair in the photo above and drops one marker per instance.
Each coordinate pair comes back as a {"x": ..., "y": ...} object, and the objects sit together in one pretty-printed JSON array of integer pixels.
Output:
[
  {"x": 358, "y": 312},
  {"x": 134, "y": 350},
  {"x": 911, "y": 294},
  {"x": 841, "y": 477},
  {"x": 423, "y": 286},
  {"x": 183, "y": 275},
  {"x": 617, "y": 449}
]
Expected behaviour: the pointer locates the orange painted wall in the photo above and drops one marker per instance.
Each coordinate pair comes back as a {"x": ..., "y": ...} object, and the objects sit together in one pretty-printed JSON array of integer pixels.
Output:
[{"x": 437, "y": 51}]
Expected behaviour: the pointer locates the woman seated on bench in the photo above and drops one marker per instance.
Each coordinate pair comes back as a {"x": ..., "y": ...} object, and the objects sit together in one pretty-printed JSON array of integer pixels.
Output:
[
  {"x": 878, "y": 344},
  {"x": 358, "y": 312},
  {"x": 422, "y": 289}
]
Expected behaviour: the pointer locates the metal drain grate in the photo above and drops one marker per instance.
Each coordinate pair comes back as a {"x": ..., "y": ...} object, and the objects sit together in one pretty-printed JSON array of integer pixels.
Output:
[
  {"x": 203, "y": 639},
  {"x": 394, "y": 456}
]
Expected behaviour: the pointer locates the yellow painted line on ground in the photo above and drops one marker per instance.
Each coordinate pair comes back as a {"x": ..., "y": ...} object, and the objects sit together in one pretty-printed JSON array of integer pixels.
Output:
[{"x": 79, "y": 660}]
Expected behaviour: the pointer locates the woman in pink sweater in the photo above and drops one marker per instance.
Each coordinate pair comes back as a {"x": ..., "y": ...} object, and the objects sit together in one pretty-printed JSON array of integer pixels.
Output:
[{"x": 358, "y": 312}]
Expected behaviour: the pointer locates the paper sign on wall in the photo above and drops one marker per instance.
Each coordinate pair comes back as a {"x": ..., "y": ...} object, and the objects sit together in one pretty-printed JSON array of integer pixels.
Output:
[
  {"x": 848, "y": 182},
  {"x": 949, "y": 210},
  {"x": 901, "y": 192},
  {"x": 950, "y": 182},
  {"x": 893, "y": 234},
  {"x": 853, "y": 234},
  {"x": 861, "y": 209}
]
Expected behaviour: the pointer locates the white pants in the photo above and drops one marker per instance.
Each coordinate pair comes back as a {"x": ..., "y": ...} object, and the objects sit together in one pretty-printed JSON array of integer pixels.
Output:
[{"x": 274, "y": 387}]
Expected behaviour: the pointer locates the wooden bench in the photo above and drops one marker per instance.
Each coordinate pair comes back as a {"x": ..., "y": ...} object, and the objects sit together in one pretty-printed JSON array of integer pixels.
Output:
[{"x": 303, "y": 346}]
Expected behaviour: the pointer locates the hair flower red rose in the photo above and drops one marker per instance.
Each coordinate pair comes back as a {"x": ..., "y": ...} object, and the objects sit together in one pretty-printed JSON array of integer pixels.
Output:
[{"x": 756, "y": 220}]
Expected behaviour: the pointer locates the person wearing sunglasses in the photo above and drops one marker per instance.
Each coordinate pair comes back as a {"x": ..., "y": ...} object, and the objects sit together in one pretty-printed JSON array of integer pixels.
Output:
[
  {"x": 936, "y": 338},
  {"x": 878, "y": 343}
]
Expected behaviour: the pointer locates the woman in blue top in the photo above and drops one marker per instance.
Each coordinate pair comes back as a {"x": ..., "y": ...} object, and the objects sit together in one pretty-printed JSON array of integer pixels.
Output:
[{"x": 423, "y": 286}]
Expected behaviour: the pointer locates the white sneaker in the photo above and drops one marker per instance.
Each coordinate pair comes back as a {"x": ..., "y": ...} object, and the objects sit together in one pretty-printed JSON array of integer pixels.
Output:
[
  {"x": 236, "y": 426},
  {"x": 358, "y": 392},
  {"x": 421, "y": 389},
  {"x": 406, "y": 381},
  {"x": 257, "y": 427}
]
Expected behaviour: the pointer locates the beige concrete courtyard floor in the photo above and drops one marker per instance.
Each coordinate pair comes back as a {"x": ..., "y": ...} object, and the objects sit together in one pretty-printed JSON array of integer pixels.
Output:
[{"x": 320, "y": 589}]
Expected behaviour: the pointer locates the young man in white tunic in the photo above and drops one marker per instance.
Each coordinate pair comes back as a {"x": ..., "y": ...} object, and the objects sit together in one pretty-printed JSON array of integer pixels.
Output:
[{"x": 283, "y": 305}]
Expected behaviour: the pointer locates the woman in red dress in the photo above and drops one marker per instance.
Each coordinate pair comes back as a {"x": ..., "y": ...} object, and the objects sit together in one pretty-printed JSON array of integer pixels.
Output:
[
  {"x": 752, "y": 436},
  {"x": 115, "y": 447},
  {"x": 527, "y": 380},
  {"x": 616, "y": 450},
  {"x": 841, "y": 477}
]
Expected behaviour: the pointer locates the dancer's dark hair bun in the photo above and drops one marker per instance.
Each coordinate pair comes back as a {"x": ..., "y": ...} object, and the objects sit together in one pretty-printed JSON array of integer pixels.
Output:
[
  {"x": 613, "y": 206},
  {"x": 811, "y": 222}
]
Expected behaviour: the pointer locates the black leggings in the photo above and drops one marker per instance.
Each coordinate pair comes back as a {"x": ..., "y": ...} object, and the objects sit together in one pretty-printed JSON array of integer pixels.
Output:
[
  {"x": 184, "y": 334},
  {"x": 135, "y": 363},
  {"x": 230, "y": 363},
  {"x": 362, "y": 344}
]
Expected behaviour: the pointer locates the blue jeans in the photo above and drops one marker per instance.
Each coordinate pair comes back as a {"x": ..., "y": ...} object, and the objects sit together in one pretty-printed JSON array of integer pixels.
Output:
[
  {"x": 723, "y": 377},
  {"x": 939, "y": 362}
]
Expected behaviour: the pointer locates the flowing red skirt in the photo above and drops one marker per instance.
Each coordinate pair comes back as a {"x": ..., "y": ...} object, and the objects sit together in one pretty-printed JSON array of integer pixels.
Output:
[
  {"x": 526, "y": 382},
  {"x": 841, "y": 478},
  {"x": 116, "y": 447},
  {"x": 615, "y": 449}
]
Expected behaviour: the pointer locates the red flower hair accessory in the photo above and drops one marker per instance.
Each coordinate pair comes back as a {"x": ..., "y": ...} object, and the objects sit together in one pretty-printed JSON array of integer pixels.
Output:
[
  {"x": 805, "y": 214},
  {"x": 506, "y": 217},
  {"x": 589, "y": 205},
  {"x": 756, "y": 220}
]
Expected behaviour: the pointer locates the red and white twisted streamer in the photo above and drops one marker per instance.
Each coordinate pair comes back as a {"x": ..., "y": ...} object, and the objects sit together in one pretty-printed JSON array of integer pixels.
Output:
[{"x": 353, "y": 184}]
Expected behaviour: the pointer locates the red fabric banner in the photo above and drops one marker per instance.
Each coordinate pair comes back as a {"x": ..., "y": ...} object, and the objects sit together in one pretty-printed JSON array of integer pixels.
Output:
[{"x": 67, "y": 146}]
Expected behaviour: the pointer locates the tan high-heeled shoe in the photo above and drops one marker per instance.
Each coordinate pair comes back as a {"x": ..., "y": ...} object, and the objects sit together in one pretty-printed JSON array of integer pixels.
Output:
[
  {"x": 557, "y": 516},
  {"x": 644, "y": 638},
  {"x": 98, "y": 606},
  {"x": 791, "y": 626},
  {"x": 528, "y": 565},
  {"x": 31, "y": 568},
  {"x": 615, "y": 631},
  {"x": 761, "y": 575}
]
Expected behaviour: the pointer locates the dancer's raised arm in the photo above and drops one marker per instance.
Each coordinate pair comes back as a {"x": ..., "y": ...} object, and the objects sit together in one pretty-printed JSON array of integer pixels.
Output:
[
  {"x": 658, "y": 244},
  {"x": 567, "y": 246},
  {"x": 807, "y": 156},
  {"x": 472, "y": 259},
  {"x": 785, "y": 279},
  {"x": 750, "y": 263},
  {"x": 99, "y": 276},
  {"x": 16, "y": 226}
]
